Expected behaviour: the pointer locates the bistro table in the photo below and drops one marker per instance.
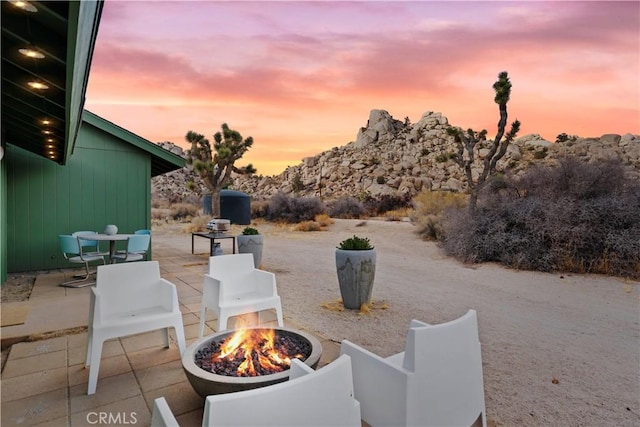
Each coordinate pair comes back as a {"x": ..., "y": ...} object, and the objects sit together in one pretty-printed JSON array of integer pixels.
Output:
[
  {"x": 212, "y": 238},
  {"x": 111, "y": 238}
]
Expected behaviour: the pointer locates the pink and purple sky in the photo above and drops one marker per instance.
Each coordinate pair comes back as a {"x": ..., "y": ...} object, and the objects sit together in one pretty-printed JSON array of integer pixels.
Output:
[{"x": 302, "y": 76}]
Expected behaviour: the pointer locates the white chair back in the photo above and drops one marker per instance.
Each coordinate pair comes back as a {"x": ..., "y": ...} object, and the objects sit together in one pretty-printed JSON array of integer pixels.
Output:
[
  {"x": 310, "y": 398},
  {"x": 118, "y": 296}
]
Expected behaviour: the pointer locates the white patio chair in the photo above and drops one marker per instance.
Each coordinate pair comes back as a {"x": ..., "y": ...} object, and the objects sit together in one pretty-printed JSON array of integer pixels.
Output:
[
  {"x": 309, "y": 398},
  {"x": 73, "y": 251},
  {"x": 129, "y": 299},
  {"x": 161, "y": 416},
  {"x": 234, "y": 286},
  {"x": 137, "y": 247},
  {"x": 437, "y": 381}
]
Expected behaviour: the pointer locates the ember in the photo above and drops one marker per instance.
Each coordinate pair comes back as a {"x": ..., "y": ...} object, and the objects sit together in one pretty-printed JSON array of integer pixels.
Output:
[{"x": 252, "y": 352}]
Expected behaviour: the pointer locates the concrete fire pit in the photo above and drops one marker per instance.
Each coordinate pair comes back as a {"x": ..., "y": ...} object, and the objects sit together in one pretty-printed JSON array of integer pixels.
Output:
[{"x": 206, "y": 383}]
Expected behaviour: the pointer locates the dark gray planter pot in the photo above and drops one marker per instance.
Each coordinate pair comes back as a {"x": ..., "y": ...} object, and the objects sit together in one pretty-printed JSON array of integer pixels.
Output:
[
  {"x": 251, "y": 244},
  {"x": 356, "y": 272}
]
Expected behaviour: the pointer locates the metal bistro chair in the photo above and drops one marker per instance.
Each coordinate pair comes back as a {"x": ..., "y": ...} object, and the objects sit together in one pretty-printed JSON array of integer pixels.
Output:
[
  {"x": 73, "y": 251},
  {"x": 137, "y": 247}
]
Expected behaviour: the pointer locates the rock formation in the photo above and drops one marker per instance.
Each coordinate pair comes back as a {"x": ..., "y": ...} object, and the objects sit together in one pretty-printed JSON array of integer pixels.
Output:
[{"x": 394, "y": 157}]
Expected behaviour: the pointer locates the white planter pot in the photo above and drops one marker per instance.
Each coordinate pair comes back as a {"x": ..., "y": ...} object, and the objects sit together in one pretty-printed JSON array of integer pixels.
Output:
[
  {"x": 251, "y": 244},
  {"x": 356, "y": 272}
]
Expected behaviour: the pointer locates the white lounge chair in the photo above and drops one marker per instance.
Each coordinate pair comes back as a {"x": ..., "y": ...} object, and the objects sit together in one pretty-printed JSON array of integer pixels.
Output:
[
  {"x": 437, "y": 381},
  {"x": 128, "y": 299},
  {"x": 234, "y": 286}
]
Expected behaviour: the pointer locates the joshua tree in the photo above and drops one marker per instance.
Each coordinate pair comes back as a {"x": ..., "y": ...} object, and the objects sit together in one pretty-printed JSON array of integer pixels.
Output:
[
  {"x": 215, "y": 167},
  {"x": 466, "y": 142}
]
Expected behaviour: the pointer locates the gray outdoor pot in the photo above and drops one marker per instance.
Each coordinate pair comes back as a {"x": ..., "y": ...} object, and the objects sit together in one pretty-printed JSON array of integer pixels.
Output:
[
  {"x": 356, "y": 272},
  {"x": 251, "y": 244}
]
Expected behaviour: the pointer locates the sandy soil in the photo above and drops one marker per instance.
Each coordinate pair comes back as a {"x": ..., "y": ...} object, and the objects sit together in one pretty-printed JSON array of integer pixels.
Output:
[{"x": 558, "y": 349}]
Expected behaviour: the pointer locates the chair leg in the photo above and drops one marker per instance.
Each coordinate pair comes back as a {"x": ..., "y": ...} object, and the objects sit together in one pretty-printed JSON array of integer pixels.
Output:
[
  {"x": 223, "y": 318},
  {"x": 165, "y": 337},
  {"x": 179, "y": 327},
  {"x": 94, "y": 364},
  {"x": 70, "y": 283},
  {"x": 279, "y": 315},
  {"x": 203, "y": 313}
]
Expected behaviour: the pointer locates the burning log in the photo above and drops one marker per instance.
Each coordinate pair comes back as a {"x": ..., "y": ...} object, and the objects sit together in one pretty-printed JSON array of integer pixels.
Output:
[{"x": 252, "y": 352}]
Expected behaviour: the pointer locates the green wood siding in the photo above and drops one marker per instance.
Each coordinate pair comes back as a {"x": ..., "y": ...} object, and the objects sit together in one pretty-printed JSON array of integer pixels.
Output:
[{"x": 105, "y": 181}]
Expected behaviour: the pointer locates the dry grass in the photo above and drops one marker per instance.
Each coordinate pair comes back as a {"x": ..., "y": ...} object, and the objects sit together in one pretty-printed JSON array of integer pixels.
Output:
[
  {"x": 429, "y": 207},
  {"x": 338, "y": 306},
  {"x": 307, "y": 226},
  {"x": 324, "y": 220},
  {"x": 398, "y": 214},
  {"x": 198, "y": 223}
]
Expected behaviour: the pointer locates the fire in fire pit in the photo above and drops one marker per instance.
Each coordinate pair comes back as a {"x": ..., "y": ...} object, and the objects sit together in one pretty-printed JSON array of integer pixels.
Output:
[
  {"x": 224, "y": 362},
  {"x": 252, "y": 352}
]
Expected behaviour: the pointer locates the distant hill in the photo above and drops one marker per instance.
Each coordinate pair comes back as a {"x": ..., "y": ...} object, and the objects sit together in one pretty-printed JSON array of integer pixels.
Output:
[{"x": 390, "y": 156}]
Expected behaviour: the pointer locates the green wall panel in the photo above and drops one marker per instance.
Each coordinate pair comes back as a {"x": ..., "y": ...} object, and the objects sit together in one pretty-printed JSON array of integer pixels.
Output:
[{"x": 105, "y": 181}]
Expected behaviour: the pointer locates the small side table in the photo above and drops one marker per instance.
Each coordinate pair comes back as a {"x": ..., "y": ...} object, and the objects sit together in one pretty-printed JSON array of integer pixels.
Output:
[{"x": 212, "y": 239}]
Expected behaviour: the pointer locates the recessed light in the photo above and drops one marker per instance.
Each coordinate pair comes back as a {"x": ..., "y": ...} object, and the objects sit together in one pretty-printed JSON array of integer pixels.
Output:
[
  {"x": 24, "y": 5},
  {"x": 46, "y": 121},
  {"x": 31, "y": 53},
  {"x": 38, "y": 85},
  {"x": 51, "y": 140},
  {"x": 47, "y": 132}
]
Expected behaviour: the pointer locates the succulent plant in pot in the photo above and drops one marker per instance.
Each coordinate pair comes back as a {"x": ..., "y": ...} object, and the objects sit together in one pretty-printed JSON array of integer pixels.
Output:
[
  {"x": 356, "y": 268},
  {"x": 251, "y": 241}
]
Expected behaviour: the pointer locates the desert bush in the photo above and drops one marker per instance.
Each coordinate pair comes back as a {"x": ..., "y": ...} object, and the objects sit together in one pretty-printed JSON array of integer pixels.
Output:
[
  {"x": 346, "y": 207},
  {"x": 293, "y": 209},
  {"x": 378, "y": 205},
  {"x": 197, "y": 223},
  {"x": 181, "y": 211},
  {"x": 259, "y": 208},
  {"x": 308, "y": 226},
  {"x": 324, "y": 220},
  {"x": 577, "y": 217},
  {"x": 429, "y": 208}
]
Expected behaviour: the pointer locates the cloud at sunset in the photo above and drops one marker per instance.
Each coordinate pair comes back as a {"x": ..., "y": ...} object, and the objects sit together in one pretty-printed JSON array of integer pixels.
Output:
[{"x": 301, "y": 77}]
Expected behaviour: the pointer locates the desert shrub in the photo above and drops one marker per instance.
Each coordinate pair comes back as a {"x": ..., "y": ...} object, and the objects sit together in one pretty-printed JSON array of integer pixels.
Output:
[
  {"x": 259, "y": 208},
  {"x": 541, "y": 154},
  {"x": 198, "y": 223},
  {"x": 398, "y": 214},
  {"x": 296, "y": 183},
  {"x": 378, "y": 205},
  {"x": 429, "y": 208},
  {"x": 442, "y": 157},
  {"x": 577, "y": 217},
  {"x": 381, "y": 179},
  {"x": 324, "y": 220},
  {"x": 183, "y": 210},
  {"x": 293, "y": 209},
  {"x": 346, "y": 207},
  {"x": 307, "y": 226}
]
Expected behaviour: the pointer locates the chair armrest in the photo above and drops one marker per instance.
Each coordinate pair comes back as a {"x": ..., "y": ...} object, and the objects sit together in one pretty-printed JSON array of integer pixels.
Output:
[
  {"x": 380, "y": 386},
  {"x": 211, "y": 291},
  {"x": 264, "y": 282},
  {"x": 168, "y": 292},
  {"x": 418, "y": 324}
]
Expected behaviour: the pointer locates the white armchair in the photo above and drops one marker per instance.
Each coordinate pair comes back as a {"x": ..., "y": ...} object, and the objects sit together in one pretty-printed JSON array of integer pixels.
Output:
[
  {"x": 234, "y": 286},
  {"x": 128, "y": 299},
  {"x": 437, "y": 381},
  {"x": 161, "y": 415},
  {"x": 309, "y": 398}
]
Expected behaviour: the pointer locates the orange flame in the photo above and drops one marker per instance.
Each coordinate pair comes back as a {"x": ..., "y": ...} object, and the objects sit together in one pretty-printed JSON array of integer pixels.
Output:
[{"x": 257, "y": 348}]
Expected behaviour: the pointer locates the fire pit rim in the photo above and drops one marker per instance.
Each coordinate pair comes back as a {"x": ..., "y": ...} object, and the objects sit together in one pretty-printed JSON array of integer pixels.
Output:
[{"x": 189, "y": 365}]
